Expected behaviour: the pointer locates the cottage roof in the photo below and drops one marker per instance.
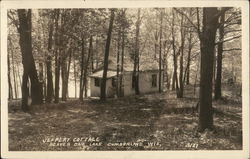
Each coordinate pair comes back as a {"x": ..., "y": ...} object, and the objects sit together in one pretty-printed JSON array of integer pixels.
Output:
[
  {"x": 99, "y": 74},
  {"x": 128, "y": 66}
]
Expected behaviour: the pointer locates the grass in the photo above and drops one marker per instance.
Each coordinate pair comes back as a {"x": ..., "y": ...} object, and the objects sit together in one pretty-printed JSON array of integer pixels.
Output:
[{"x": 134, "y": 122}]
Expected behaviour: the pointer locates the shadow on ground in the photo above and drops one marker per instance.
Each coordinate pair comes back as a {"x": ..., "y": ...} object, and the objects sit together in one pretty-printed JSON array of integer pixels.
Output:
[{"x": 147, "y": 122}]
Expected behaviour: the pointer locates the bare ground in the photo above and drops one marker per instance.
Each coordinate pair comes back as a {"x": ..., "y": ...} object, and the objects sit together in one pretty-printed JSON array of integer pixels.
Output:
[{"x": 155, "y": 121}]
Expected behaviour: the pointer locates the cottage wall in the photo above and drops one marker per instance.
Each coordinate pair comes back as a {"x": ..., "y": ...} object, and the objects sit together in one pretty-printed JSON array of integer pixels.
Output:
[
  {"x": 145, "y": 82},
  {"x": 95, "y": 91},
  {"x": 127, "y": 79}
]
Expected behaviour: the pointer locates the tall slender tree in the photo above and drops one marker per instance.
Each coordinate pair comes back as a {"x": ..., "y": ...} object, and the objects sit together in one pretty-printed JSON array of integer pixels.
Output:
[
  {"x": 181, "y": 81},
  {"x": 50, "y": 89},
  {"x": 106, "y": 56},
  {"x": 189, "y": 57},
  {"x": 9, "y": 79},
  {"x": 217, "y": 89},
  {"x": 160, "y": 52},
  {"x": 174, "y": 79},
  {"x": 57, "y": 56},
  {"x": 136, "y": 54},
  {"x": 90, "y": 53},
  {"x": 82, "y": 67},
  {"x": 121, "y": 89}
]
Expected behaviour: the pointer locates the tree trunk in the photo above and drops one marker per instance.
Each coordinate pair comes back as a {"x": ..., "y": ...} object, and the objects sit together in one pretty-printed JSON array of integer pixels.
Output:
[
  {"x": 64, "y": 77},
  {"x": 174, "y": 80},
  {"x": 14, "y": 75},
  {"x": 97, "y": 52},
  {"x": 165, "y": 65},
  {"x": 121, "y": 89},
  {"x": 68, "y": 73},
  {"x": 75, "y": 76},
  {"x": 50, "y": 88},
  {"x": 189, "y": 57},
  {"x": 195, "y": 80},
  {"x": 136, "y": 56},
  {"x": 118, "y": 63},
  {"x": 82, "y": 68},
  {"x": 160, "y": 58},
  {"x": 65, "y": 73},
  {"x": 25, "y": 92},
  {"x": 82, "y": 65},
  {"x": 175, "y": 84},
  {"x": 217, "y": 90},
  {"x": 210, "y": 23},
  {"x": 86, "y": 66},
  {"x": 9, "y": 79},
  {"x": 28, "y": 61},
  {"x": 40, "y": 76},
  {"x": 57, "y": 76},
  {"x": 180, "y": 90},
  {"x": 57, "y": 59},
  {"x": 106, "y": 57},
  {"x": 19, "y": 76},
  {"x": 156, "y": 36}
]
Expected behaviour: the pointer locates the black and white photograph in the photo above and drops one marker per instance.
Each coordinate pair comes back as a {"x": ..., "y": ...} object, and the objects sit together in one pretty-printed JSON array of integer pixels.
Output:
[{"x": 125, "y": 79}]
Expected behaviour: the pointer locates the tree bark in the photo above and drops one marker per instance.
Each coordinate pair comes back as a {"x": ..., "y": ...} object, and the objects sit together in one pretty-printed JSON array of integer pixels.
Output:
[
  {"x": 217, "y": 90},
  {"x": 57, "y": 58},
  {"x": 82, "y": 65},
  {"x": 40, "y": 76},
  {"x": 118, "y": 63},
  {"x": 50, "y": 89},
  {"x": 189, "y": 58},
  {"x": 174, "y": 80},
  {"x": 160, "y": 49},
  {"x": 121, "y": 89},
  {"x": 106, "y": 57},
  {"x": 181, "y": 81},
  {"x": 165, "y": 65},
  {"x": 14, "y": 75},
  {"x": 63, "y": 64},
  {"x": 75, "y": 76},
  {"x": 28, "y": 61},
  {"x": 68, "y": 73},
  {"x": 210, "y": 23},
  {"x": 90, "y": 53},
  {"x": 9, "y": 79},
  {"x": 57, "y": 76},
  {"x": 15, "y": 84},
  {"x": 136, "y": 56}
]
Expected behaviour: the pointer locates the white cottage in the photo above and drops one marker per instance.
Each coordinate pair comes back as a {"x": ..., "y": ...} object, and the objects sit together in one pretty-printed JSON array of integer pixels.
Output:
[{"x": 148, "y": 80}]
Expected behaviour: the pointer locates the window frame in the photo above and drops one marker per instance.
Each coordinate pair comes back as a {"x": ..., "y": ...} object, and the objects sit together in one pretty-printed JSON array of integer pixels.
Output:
[
  {"x": 97, "y": 82},
  {"x": 153, "y": 80}
]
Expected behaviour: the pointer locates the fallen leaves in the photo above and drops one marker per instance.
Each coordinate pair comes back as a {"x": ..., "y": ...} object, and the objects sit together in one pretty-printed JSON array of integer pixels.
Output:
[{"x": 146, "y": 118}]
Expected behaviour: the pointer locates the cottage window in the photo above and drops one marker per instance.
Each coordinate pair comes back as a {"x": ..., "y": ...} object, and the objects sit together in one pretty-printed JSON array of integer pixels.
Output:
[
  {"x": 97, "y": 82},
  {"x": 154, "y": 80}
]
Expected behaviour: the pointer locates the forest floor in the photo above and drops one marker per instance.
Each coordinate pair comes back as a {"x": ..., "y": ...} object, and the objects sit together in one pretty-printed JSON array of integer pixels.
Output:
[{"x": 144, "y": 122}]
